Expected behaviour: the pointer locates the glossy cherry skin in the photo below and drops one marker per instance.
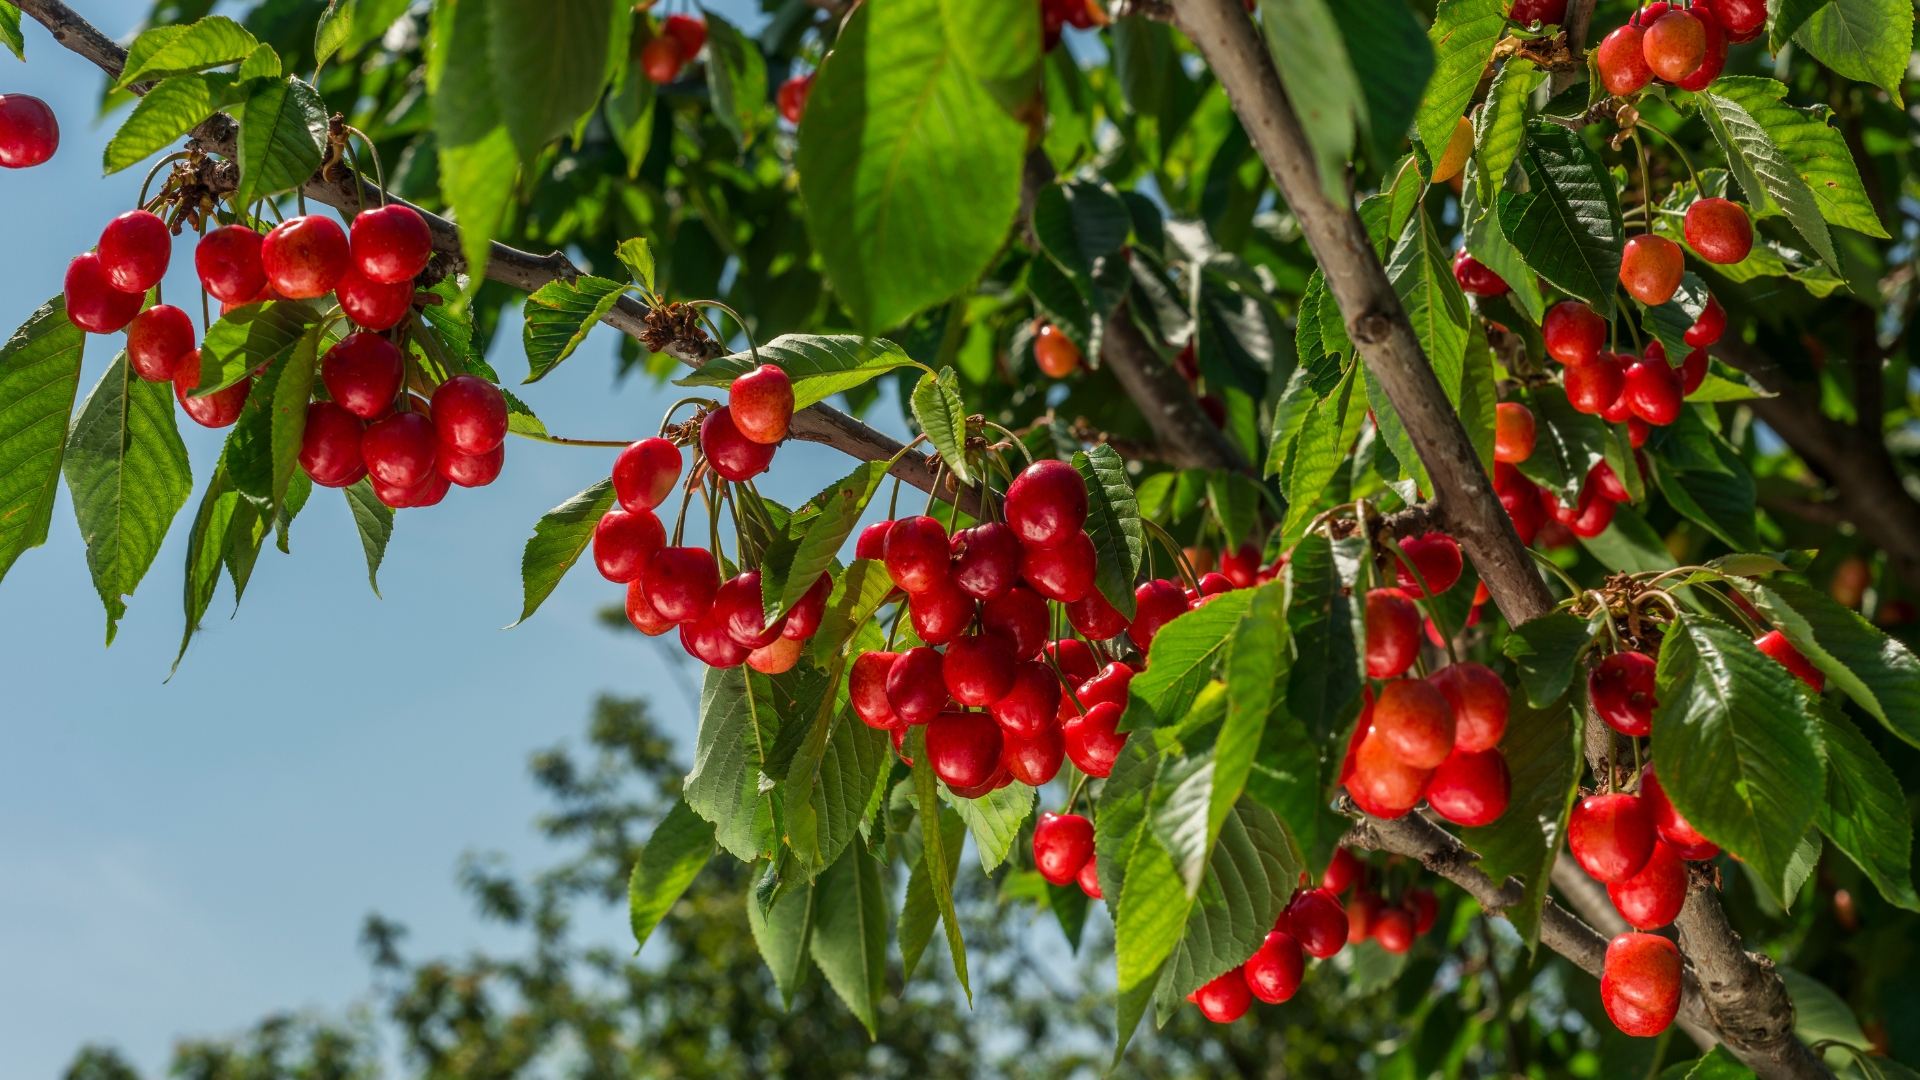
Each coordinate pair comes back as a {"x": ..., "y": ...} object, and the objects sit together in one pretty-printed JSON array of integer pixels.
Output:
[
  {"x": 1622, "y": 691},
  {"x": 1606, "y": 483},
  {"x": 469, "y": 470},
  {"x": 1363, "y": 908},
  {"x": 1479, "y": 701},
  {"x": 1521, "y": 499},
  {"x": 986, "y": 560},
  {"x": 1437, "y": 555},
  {"x": 941, "y": 613},
  {"x": 1640, "y": 983},
  {"x": 362, "y": 373},
  {"x": 1316, "y": 919},
  {"x": 1693, "y": 372},
  {"x": 305, "y": 256},
  {"x": 1089, "y": 879},
  {"x": 1675, "y": 45},
  {"x": 1156, "y": 603},
  {"x": 1063, "y": 572},
  {"x": 1623, "y": 66},
  {"x": 661, "y": 59},
  {"x": 1341, "y": 872},
  {"x": 156, "y": 339},
  {"x": 1062, "y": 844},
  {"x": 873, "y": 541},
  {"x": 1412, "y": 718},
  {"x": 1471, "y": 788},
  {"x": 1047, "y": 503},
  {"x": 400, "y": 449},
  {"x": 470, "y": 414},
  {"x": 917, "y": 554},
  {"x": 1383, "y": 785},
  {"x": 762, "y": 404},
  {"x": 425, "y": 493},
  {"x": 330, "y": 444},
  {"x": 228, "y": 262},
  {"x": 1108, "y": 686},
  {"x": 867, "y": 690},
  {"x": 623, "y": 542},
  {"x": 706, "y": 640},
  {"x": 93, "y": 304},
  {"x": 1093, "y": 616},
  {"x": 682, "y": 582},
  {"x": 1743, "y": 20},
  {"x": 1019, "y": 616},
  {"x": 792, "y": 97},
  {"x": 1055, "y": 352},
  {"x": 1652, "y": 898},
  {"x": 1653, "y": 392},
  {"x": 29, "y": 132},
  {"x": 1611, "y": 835},
  {"x": 916, "y": 687},
  {"x": 134, "y": 249},
  {"x": 390, "y": 244},
  {"x": 1225, "y": 999},
  {"x": 1592, "y": 516},
  {"x": 1593, "y": 385},
  {"x": 216, "y": 410},
  {"x": 1476, "y": 278},
  {"x": 978, "y": 669},
  {"x": 805, "y": 617},
  {"x": 1775, "y": 644},
  {"x": 1074, "y": 659},
  {"x": 738, "y": 607},
  {"x": 689, "y": 31},
  {"x": 370, "y": 304},
  {"x": 782, "y": 655},
  {"x": 732, "y": 455},
  {"x": 645, "y": 472},
  {"x": 1513, "y": 432},
  {"x": 1031, "y": 705},
  {"x": 964, "y": 749},
  {"x": 1274, "y": 971},
  {"x": 1424, "y": 908},
  {"x": 1092, "y": 743},
  {"x": 1545, "y": 12},
  {"x": 1242, "y": 566},
  {"x": 1651, "y": 269},
  {"x": 1394, "y": 930},
  {"x": 1715, "y": 60},
  {"x": 1720, "y": 231},
  {"x": 1685, "y": 840},
  {"x": 1573, "y": 332},
  {"x": 641, "y": 612},
  {"x": 1393, "y": 633}
]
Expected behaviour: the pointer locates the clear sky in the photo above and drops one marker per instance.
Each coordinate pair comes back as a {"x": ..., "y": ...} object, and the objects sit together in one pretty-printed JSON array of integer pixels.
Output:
[{"x": 180, "y": 858}]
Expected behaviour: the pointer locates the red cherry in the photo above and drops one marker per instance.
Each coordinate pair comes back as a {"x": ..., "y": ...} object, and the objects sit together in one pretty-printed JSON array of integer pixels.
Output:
[
  {"x": 1719, "y": 231},
  {"x": 1342, "y": 871},
  {"x": 1623, "y": 66},
  {"x": 391, "y": 244},
  {"x": 1573, "y": 332},
  {"x": 682, "y": 582},
  {"x": 978, "y": 669},
  {"x": 645, "y": 472},
  {"x": 1693, "y": 373},
  {"x": 1651, "y": 269},
  {"x": 1471, "y": 788},
  {"x": 761, "y": 402},
  {"x": 29, "y": 132},
  {"x": 1394, "y": 931},
  {"x": 470, "y": 414},
  {"x": 792, "y": 97},
  {"x": 371, "y": 305},
  {"x": 706, "y": 640},
  {"x": 623, "y": 542},
  {"x": 689, "y": 31},
  {"x": 1393, "y": 633},
  {"x": 1089, "y": 879},
  {"x": 1675, "y": 45},
  {"x": 1606, "y": 483},
  {"x": 305, "y": 256},
  {"x": 1513, "y": 432},
  {"x": 1383, "y": 785},
  {"x": 661, "y": 59},
  {"x": 134, "y": 250},
  {"x": 1062, "y": 844},
  {"x": 1055, "y": 352},
  {"x": 1653, "y": 897},
  {"x": 1653, "y": 392},
  {"x": 1156, "y": 603},
  {"x": 964, "y": 748},
  {"x": 1715, "y": 60},
  {"x": 1774, "y": 644},
  {"x": 1092, "y": 743},
  {"x": 330, "y": 445},
  {"x": 93, "y": 304},
  {"x": 1476, "y": 278},
  {"x": 738, "y": 607},
  {"x": 156, "y": 339},
  {"x": 1093, "y": 616},
  {"x": 1545, "y": 12},
  {"x": 1187, "y": 363},
  {"x": 805, "y": 616},
  {"x": 1593, "y": 515},
  {"x": 1593, "y": 385},
  {"x": 641, "y": 612},
  {"x": 1649, "y": 14},
  {"x": 1074, "y": 659},
  {"x": 1479, "y": 701},
  {"x": 228, "y": 262},
  {"x": 916, "y": 689},
  {"x": 399, "y": 449},
  {"x": 1047, "y": 503},
  {"x": 1621, "y": 689},
  {"x": 1363, "y": 908},
  {"x": 216, "y": 410},
  {"x": 469, "y": 470},
  {"x": 1424, "y": 908},
  {"x": 986, "y": 560},
  {"x": 1674, "y": 829},
  {"x": 1030, "y": 706},
  {"x": 867, "y": 689},
  {"x": 778, "y": 657},
  {"x": 362, "y": 373},
  {"x": 873, "y": 541},
  {"x": 1316, "y": 919},
  {"x": 1242, "y": 567},
  {"x": 1637, "y": 432},
  {"x": 1640, "y": 983},
  {"x": 1225, "y": 999},
  {"x": 917, "y": 554},
  {"x": 732, "y": 455},
  {"x": 1437, "y": 556},
  {"x": 941, "y": 613},
  {"x": 1611, "y": 835},
  {"x": 1709, "y": 326},
  {"x": 1064, "y": 572},
  {"x": 1110, "y": 685},
  {"x": 426, "y": 493},
  {"x": 1521, "y": 498},
  {"x": 1019, "y": 616},
  {"x": 1743, "y": 20},
  {"x": 1414, "y": 722},
  {"x": 1274, "y": 971}
]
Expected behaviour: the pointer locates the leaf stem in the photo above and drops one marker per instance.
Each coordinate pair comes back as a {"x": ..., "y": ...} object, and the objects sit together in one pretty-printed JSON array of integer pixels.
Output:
[
  {"x": 1572, "y": 585},
  {"x": 1684, "y": 160},
  {"x": 1173, "y": 549},
  {"x": 558, "y": 441}
]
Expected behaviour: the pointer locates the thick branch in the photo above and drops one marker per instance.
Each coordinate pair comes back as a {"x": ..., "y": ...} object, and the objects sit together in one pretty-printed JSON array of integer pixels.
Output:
[
  {"x": 1579, "y": 20},
  {"x": 1187, "y": 436}
]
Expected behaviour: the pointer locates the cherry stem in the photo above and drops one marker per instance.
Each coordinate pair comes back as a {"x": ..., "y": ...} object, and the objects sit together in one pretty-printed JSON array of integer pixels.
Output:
[
  {"x": 1674, "y": 144},
  {"x": 1636, "y": 760},
  {"x": 667, "y": 420},
  {"x": 359, "y": 195},
  {"x": 1573, "y": 586},
  {"x": 680, "y": 522},
  {"x": 933, "y": 489},
  {"x": 893, "y": 500},
  {"x": 1632, "y": 331},
  {"x": 379, "y": 170},
  {"x": 1613, "y": 632},
  {"x": 155, "y": 171},
  {"x": 1074, "y": 795},
  {"x": 1173, "y": 549},
  {"x": 1015, "y": 439},
  {"x": 711, "y": 494},
  {"x": 759, "y": 508},
  {"x": 753, "y": 350}
]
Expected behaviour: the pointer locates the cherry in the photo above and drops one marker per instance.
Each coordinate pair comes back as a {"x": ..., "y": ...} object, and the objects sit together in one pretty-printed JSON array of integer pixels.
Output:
[
  {"x": 29, "y": 132},
  {"x": 1031, "y": 704},
  {"x": 426, "y": 493},
  {"x": 1093, "y": 744},
  {"x": 1110, "y": 685},
  {"x": 1047, "y": 503},
  {"x": 470, "y": 414},
  {"x": 399, "y": 449},
  {"x": 1573, "y": 333},
  {"x": 1055, "y": 352},
  {"x": 732, "y": 455},
  {"x": 778, "y": 657},
  {"x": 1156, "y": 603},
  {"x": 867, "y": 689},
  {"x": 689, "y": 31},
  {"x": 1513, "y": 432},
  {"x": 305, "y": 256},
  {"x": 1640, "y": 983},
  {"x": 1675, "y": 45},
  {"x": 873, "y": 541},
  {"x": 1623, "y": 66},
  {"x": 1341, "y": 872},
  {"x": 941, "y": 613},
  {"x": 1651, "y": 268},
  {"x": 362, "y": 373},
  {"x": 1437, "y": 556},
  {"x": 1412, "y": 718},
  {"x": 706, "y": 640},
  {"x": 228, "y": 262},
  {"x": 978, "y": 669},
  {"x": 682, "y": 582},
  {"x": 1653, "y": 392},
  {"x": 1476, "y": 278},
  {"x": 1646, "y": 16},
  {"x": 1479, "y": 701},
  {"x": 469, "y": 470},
  {"x": 1774, "y": 644},
  {"x": 391, "y": 244},
  {"x": 1215, "y": 584},
  {"x": 134, "y": 250},
  {"x": 1454, "y": 157},
  {"x": 1606, "y": 483},
  {"x": 1393, "y": 633},
  {"x": 641, "y": 612},
  {"x": 645, "y": 472},
  {"x": 1715, "y": 60},
  {"x": 1187, "y": 363},
  {"x": 805, "y": 616},
  {"x": 371, "y": 305},
  {"x": 739, "y": 610},
  {"x": 1062, "y": 844},
  {"x": 623, "y": 542},
  {"x": 1693, "y": 372},
  {"x": 1685, "y": 840},
  {"x": 216, "y": 410},
  {"x": 1471, "y": 788},
  {"x": 1225, "y": 999},
  {"x": 330, "y": 445},
  {"x": 93, "y": 304},
  {"x": 1719, "y": 231},
  {"x": 661, "y": 59},
  {"x": 916, "y": 688},
  {"x": 1594, "y": 514},
  {"x": 1653, "y": 897},
  {"x": 156, "y": 339},
  {"x": 1637, "y": 432},
  {"x": 1019, "y": 616},
  {"x": 1242, "y": 566},
  {"x": 1215, "y": 409},
  {"x": 1545, "y": 12},
  {"x": 1593, "y": 385},
  {"x": 1743, "y": 20},
  {"x": 1611, "y": 835},
  {"x": 1621, "y": 689},
  {"x": 1424, "y": 908},
  {"x": 1093, "y": 616},
  {"x": 1394, "y": 931},
  {"x": 917, "y": 554},
  {"x": 1316, "y": 919},
  {"x": 1362, "y": 728},
  {"x": 1381, "y": 784},
  {"x": 762, "y": 404},
  {"x": 1363, "y": 908},
  {"x": 1089, "y": 880},
  {"x": 986, "y": 560},
  {"x": 1074, "y": 659},
  {"x": 1521, "y": 499},
  {"x": 792, "y": 97},
  {"x": 964, "y": 748},
  {"x": 1064, "y": 572}
]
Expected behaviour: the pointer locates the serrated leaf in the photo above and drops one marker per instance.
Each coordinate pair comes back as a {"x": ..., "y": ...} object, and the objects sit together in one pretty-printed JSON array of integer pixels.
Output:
[
  {"x": 1542, "y": 748},
  {"x": 1311, "y": 56},
  {"x": 1789, "y": 17},
  {"x": 1764, "y": 173},
  {"x": 1544, "y": 650},
  {"x": 994, "y": 820},
  {"x": 1251, "y": 873},
  {"x": 1499, "y": 127},
  {"x": 1486, "y": 240},
  {"x": 1877, "y": 671},
  {"x": 560, "y": 315},
  {"x": 1567, "y": 443},
  {"x": 549, "y": 62},
  {"x": 942, "y": 414},
  {"x": 933, "y": 853},
  {"x": 10, "y": 30},
  {"x": 1670, "y": 321},
  {"x": 39, "y": 379},
  {"x": 1865, "y": 813},
  {"x": 559, "y": 538},
  {"x": 736, "y": 80},
  {"x": 248, "y": 338},
  {"x": 849, "y": 943},
  {"x": 477, "y": 179},
  {"x": 281, "y": 138},
  {"x": 782, "y": 932},
  {"x": 292, "y": 390},
  {"x": 793, "y": 566},
  {"x": 1463, "y": 34},
  {"x": 1867, "y": 40},
  {"x": 828, "y": 789},
  {"x": 1113, "y": 522},
  {"x": 920, "y": 913},
  {"x": 637, "y": 255},
  {"x": 856, "y": 597},
  {"x": 1392, "y": 61},
  {"x": 1569, "y": 223},
  {"x": 331, "y": 32},
  {"x": 680, "y": 846},
  {"x": 206, "y": 551},
  {"x": 737, "y": 724},
  {"x": 1816, "y": 150},
  {"x": 1181, "y": 661},
  {"x": 167, "y": 112},
  {"x": 174, "y": 50},
  {"x": 1421, "y": 270},
  {"x": 818, "y": 365},
  {"x": 374, "y": 520},
  {"x": 1329, "y": 428},
  {"x": 1328, "y": 630},
  {"x": 1721, "y": 499},
  {"x": 1258, "y": 663}
]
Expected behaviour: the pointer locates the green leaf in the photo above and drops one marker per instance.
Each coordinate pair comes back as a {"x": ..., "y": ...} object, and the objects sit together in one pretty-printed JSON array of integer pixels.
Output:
[
  {"x": 933, "y": 853},
  {"x": 1567, "y": 443},
  {"x": 942, "y": 414},
  {"x": 1079, "y": 224},
  {"x": 680, "y": 846},
  {"x": 1542, "y": 748},
  {"x": 560, "y": 316},
  {"x": 1865, "y": 813},
  {"x": 1113, "y": 521},
  {"x": 1738, "y": 748},
  {"x": 477, "y": 179},
  {"x": 1392, "y": 61},
  {"x": 1790, "y": 16},
  {"x": 10, "y": 30},
  {"x": 856, "y": 597},
  {"x": 828, "y": 789},
  {"x": 1764, "y": 173},
  {"x": 291, "y": 391},
  {"x": 818, "y": 365},
  {"x": 920, "y": 913},
  {"x": 792, "y": 567},
  {"x": 374, "y": 520},
  {"x": 1327, "y": 625},
  {"x": 1877, "y": 671},
  {"x": 1258, "y": 664},
  {"x": 1629, "y": 545},
  {"x": 559, "y": 538},
  {"x": 1487, "y": 241},
  {"x": 909, "y": 169},
  {"x": 1311, "y": 56},
  {"x": 248, "y": 338},
  {"x": 206, "y": 552},
  {"x": 281, "y": 138},
  {"x": 1867, "y": 40},
  {"x": 1569, "y": 223},
  {"x": 999, "y": 44},
  {"x": 1816, "y": 150},
  {"x": 1182, "y": 660},
  {"x": 849, "y": 942},
  {"x": 1720, "y": 499},
  {"x": 331, "y": 33},
  {"x": 737, "y": 724},
  {"x": 1330, "y": 427},
  {"x": 1670, "y": 321},
  {"x": 1463, "y": 33},
  {"x": 1421, "y": 270},
  {"x": 637, "y": 254},
  {"x": 1251, "y": 873},
  {"x": 737, "y": 80},
  {"x": 176, "y": 50},
  {"x": 127, "y": 471},
  {"x": 39, "y": 378},
  {"x": 782, "y": 932},
  {"x": 549, "y": 62},
  {"x": 1499, "y": 128},
  {"x": 994, "y": 819},
  {"x": 167, "y": 112},
  {"x": 1479, "y": 394},
  {"x": 1545, "y": 651}
]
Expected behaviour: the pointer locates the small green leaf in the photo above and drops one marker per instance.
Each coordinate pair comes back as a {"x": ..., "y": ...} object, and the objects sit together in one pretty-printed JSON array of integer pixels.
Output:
[
  {"x": 281, "y": 138},
  {"x": 549, "y": 63},
  {"x": 331, "y": 33},
  {"x": 374, "y": 520},
  {"x": 994, "y": 819},
  {"x": 1499, "y": 127},
  {"x": 1258, "y": 664},
  {"x": 782, "y": 932},
  {"x": 1421, "y": 270},
  {"x": 1329, "y": 428},
  {"x": 560, "y": 315},
  {"x": 1567, "y": 444},
  {"x": 856, "y": 597},
  {"x": 1463, "y": 34},
  {"x": 167, "y": 112},
  {"x": 559, "y": 538},
  {"x": 1113, "y": 521},
  {"x": 1181, "y": 661},
  {"x": 921, "y": 912},
  {"x": 849, "y": 942},
  {"x": 1487, "y": 241},
  {"x": 10, "y": 30},
  {"x": 1312, "y": 58},
  {"x": 477, "y": 179},
  {"x": 1867, "y": 40},
  {"x": 1816, "y": 150},
  {"x": 792, "y": 567},
  {"x": 1865, "y": 814},
  {"x": 680, "y": 845},
  {"x": 1569, "y": 223},
  {"x": 39, "y": 378},
  {"x": 1328, "y": 629},
  {"x": 1546, "y": 650},
  {"x": 737, "y": 723},
  {"x": 206, "y": 552},
  {"x": 177, "y": 50},
  {"x": 292, "y": 389},
  {"x": 736, "y": 80},
  {"x": 818, "y": 365},
  {"x": 942, "y": 414},
  {"x": 637, "y": 254},
  {"x": 933, "y": 853},
  {"x": 1542, "y": 749},
  {"x": 248, "y": 338},
  {"x": 1764, "y": 173}
]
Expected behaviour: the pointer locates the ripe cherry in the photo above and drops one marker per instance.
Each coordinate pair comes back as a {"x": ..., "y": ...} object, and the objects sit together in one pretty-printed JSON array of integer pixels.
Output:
[
  {"x": 689, "y": 31},
  {"x": 1715, "y": 60},
  {"x": 1743, "y": 20},
  {"x": 1573, "y": 333},
  {"x": 1055, "y": 352},
  {"x": 1471, "y": 788},
  {"x": 1062, "y": 844},
  {"x": 228, "y": 262},
  {"x": 1110, "y": 685},
  {"x": 986, "y": 560},
  {"x": 1479, "y": 701},
  {"x": 1775, "y": 644},
  {"x": 1064, "y": 572},
  {"x": 1341, "y": 872},
  {"x": 1225, "y": 999},
  {"x": 873, "y": 541},
  {"x": 93, "y": 304},
  {"x": 917, "y": 553},
  {"x": 1274, "y": 971},
  {"x": 738, "y": 607},
  {"x": 661, "y": 59},
  {"x": 1513, "y": 432},
  {"x": 1019, "y": 616},
  {"x": 1651, "y": 269},
  {"x": 469, "y": 470},
  {"x": 134, "y": 250},
  {"x": 761, "y": 402},
  {"x": 778, "y": 657},
  {"x": 1242, "y": 566},
  {"x": 941, "y": 613},
  {"x": 916, "y": 688},
  {"x": 867, "y": 689},
  {"x": 1156, "y": 603},
  {"x": 1437, "y": 556},
  {"x": 1653, "y": 392},
  {"x": 1693, "y": 372},
  {"x": 645, "y": 472},
  {"x": 1093, "y": 744},
  {"x": 1394, "y": 930},
  {"x": 1606, "y": 483},
  {"x": 1412, "y": 719},
  {"x": 1623, "y": 66},
  {"x": 1316, "y": 919},
  {"x": 426, "y": 493},
  {"x": 641, "y": 612},
  {"x": 1047, "y": 503},
  {"x": 682, "y": 582},
  {"x": 391, "y": 244},
  {"x": 1653, "y": 897},
  {"x": 304, "y": 257},
  {"x": 1640, "y": 983},
  {"x": 1621, "y": 689},
  {"x": 1521, "y": 499},
  {"x": 470, "y": 414},
  {"x": 805, "y": 617},
  {"x": 1363, "y": 908},
  {"x": 1393, "y": 633},
  {"x": 964, "y": 748},
  {"x": 1095, "y": 617},
  {"x": 1032, "y": 704},
  {"x": 1074, "y": 659},
  {"x": 1675, "y": 45},
  {"x": 29, "y": 132},
  {"x": 362, "y": 373},
  {"x": 1545, "y": 12},
  {"x": 1719, "y": 231},
  {"x": 330, "y": 445},
  {"x": 1476, "y": 278},
  {"x": 1089, "y": 879},
  {"x": 370, "y": 304},
  {"x": 1381, "y": 784},
  {"x": 1594, "y": 514},
  {"x": 732, "y": 455},
  {"x": 1187, "y": 363},
  {"x": 1685, "y": 840},
  {"x": 705, "y": 639},
  {"x": 156, "y": 339},
  {"x": 792, "y": 97},
  {"x": 623, "y": 542},
  {"x": 1594, "y": 385},
  {"x": 978, "y": 669},
  {"x": 399, "y": 449},
  {"x": 1611, "y": 835},
  {"x": 216, "y": 410}
]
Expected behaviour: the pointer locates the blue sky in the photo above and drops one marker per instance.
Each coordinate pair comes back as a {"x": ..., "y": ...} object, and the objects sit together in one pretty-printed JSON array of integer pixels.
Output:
[{"x": 180, "y": 858}]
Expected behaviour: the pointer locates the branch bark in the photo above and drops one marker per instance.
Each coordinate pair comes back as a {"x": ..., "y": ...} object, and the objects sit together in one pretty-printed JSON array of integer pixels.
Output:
[{"x": 1186, "y": 435}]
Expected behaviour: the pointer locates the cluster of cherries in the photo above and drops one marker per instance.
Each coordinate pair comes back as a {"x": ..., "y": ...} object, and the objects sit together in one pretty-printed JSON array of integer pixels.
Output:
[
  {"x": 1683, "y": 46},
  {"x": 1055, "y": 15},
  {"x": 680, "y": 39},
  {"x": 29, "y": 132}
]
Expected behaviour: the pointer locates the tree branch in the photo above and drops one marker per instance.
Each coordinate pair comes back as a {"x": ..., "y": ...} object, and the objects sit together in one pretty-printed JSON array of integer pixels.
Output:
[{"x": 1186, "y": 435}]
